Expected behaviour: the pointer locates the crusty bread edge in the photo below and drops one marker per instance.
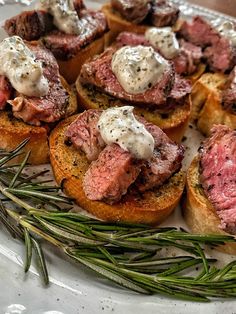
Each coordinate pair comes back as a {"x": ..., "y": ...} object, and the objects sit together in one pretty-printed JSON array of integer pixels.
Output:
[
  {"x": 206, "y": 103},
  {"x": 198, "y": 212}
]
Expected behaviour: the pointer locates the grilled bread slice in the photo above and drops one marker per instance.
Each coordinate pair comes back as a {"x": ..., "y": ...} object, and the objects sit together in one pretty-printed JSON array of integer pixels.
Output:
[
  {"x": 69, "y": 166},
  {"x": 13, "y": 131},
  {"x": 206, "y": 103},
  {"x": 198, "y": 212},
  {"x": 173, "y": 123}
]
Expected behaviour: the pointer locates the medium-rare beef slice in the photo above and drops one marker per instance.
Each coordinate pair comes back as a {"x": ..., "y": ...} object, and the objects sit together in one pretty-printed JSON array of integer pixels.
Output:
[
  {"x": 163, "y": 13},
  {"x": 65, "y": 46},
  {"x": 219, "y": 53},
  {"x": 229, "y": 93},
  {"x": 49, "y": 108},
  {"x": 221, "y": 56},
  {"x": 98, "y": 73},
  {"x": 188, "y": 59},
  {"x": 109, "y": 177},
  {"x": 167, "y": 159},
  {"x": 218, "y": 174},
  {"x": 132, "y": 10},
  {"x": 199, "y": 32},
  {"x": 29, "y": 25},
  {"x": 5, "y": 91},
  {"x": 181, "y": 89},
  {"x": 131, "y": 39},
  {"x": 83, "y": 133}
]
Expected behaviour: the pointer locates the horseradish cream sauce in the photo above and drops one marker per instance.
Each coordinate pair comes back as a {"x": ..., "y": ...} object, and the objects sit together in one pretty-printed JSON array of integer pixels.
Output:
[
  {"x": 65, "y": 17},
  {"x": 138, "y": 68},
  {"x": 119, "y": 125},
  {"x": 20, "y": 66},
  {"x": 164, "y": 40}
]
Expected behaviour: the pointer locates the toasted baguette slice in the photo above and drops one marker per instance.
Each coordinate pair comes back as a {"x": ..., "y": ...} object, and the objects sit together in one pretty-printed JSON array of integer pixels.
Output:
[
  {"x": 13, "y": 131},
  {"x": 70, "y": 69},
  {"x": 198, "y": 212},
  {"x": 206, "y": 103},
  {"x": 69, "y": 166},
  {"x": 173, "y": 124}
]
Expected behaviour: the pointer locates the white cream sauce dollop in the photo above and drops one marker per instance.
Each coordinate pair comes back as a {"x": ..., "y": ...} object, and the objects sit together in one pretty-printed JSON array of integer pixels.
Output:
[
  {"x": 164, "y": 39},
  {"x": 119, "y": 125},
  {"x": 65, "y": 17},
  {"x": 19, "y": 65},
  {"x": 138, "y": 68}
]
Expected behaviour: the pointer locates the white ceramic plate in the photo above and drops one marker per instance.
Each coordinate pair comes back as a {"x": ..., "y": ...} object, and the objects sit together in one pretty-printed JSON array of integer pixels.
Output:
[{"x": 73, "y": 289}]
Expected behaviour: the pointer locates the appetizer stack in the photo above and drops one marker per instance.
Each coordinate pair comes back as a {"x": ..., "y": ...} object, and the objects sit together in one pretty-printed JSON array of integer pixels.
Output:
[{"x": 140, "y": 72}]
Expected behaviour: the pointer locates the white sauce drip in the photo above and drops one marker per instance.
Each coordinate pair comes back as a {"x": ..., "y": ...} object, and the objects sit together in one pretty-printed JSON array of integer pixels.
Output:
[
  {"x": 164, "y": 40},
  {"x": 18, "y": 64},
  {"x": 65, "y": 17},
  {"x": 138, "y": 68},
  {"x": 118, "y": 125}
]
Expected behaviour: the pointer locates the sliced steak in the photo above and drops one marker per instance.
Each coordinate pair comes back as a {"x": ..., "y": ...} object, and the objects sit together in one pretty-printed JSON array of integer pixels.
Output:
[
  {"x": 65, "y": 46},
  {"x": 109, "y": 177},
  {"x": 166, "y": 160},
  {"x": 221, "y": 56},
  {"x": 132, "y": 10},
  {"x": 84, "y": 134},
  {"x": 199, "y": 32},
  {"x": 182, "y": 88},
  {"x": 163, "y": 13},
  {"x": 98, "y": 72},
  {"x": 49, "y": 108},
  {"x": 5, "y": 91},
  {"x": 188, "y": 59},
  {"x": 29, "y": 25},
  {"x": 131, "y": 39},
  {"x": 229, "y": 93},
  {"x": 218, "y": 174}
]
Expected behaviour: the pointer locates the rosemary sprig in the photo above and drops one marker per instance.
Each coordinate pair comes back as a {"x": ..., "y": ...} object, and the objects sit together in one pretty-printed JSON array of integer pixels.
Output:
[{"x": 131, "y": 255}]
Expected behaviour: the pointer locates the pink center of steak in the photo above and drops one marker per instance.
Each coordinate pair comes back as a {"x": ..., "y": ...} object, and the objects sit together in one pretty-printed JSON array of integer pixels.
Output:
[
  {"x": 219, "y": 52},
  {"x": 49, "y": 108},
  {"x": 113, "y": 169},
  {"x": 218, "y": 177},
  {"x": 98, "y": 73},
  {"x": 109, "y": 177},
  {"x": 5, "y": 91},
  {"x": 84, "y": 134}
]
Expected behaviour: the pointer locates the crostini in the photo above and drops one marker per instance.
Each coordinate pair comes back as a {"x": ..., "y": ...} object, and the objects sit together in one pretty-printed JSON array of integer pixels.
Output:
[
  {"x": 213, "y": 101},
  {"x": 72, "y": 32},
  {"x": 137, "y": 15},
  {"x": 120, "y": 176},
  {"x": 211, "y": 184},
  {"x": 138, "y": 76},
  {"x": 33, "y": 97}
]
